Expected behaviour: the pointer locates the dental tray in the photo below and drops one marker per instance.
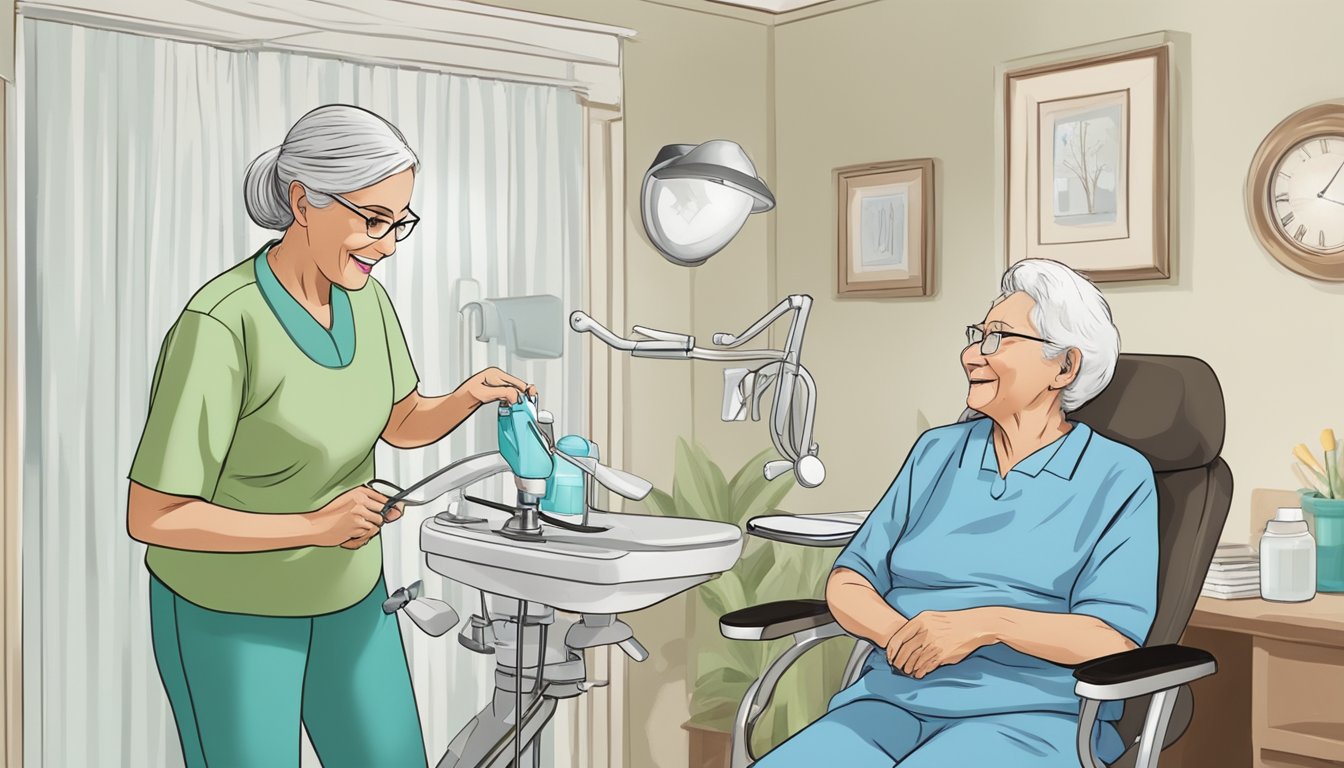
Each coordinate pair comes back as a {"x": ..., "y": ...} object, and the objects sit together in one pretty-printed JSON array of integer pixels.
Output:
[{"x": 830, "y": 529}]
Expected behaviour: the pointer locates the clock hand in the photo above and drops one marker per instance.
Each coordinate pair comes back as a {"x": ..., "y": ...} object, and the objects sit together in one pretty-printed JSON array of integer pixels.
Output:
[
  {"x": 1330, "y": 199},
  {"x": 1331, "y": 181}
]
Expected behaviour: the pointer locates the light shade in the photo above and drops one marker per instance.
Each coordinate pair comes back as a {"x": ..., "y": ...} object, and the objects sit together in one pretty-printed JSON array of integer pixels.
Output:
[{"x": 695, "y": 199}]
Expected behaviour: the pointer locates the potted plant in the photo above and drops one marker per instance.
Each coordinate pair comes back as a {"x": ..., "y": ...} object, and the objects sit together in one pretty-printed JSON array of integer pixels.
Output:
[
  {"x": 1322, "y": 496},
  {"x": 723, "y": 669}
]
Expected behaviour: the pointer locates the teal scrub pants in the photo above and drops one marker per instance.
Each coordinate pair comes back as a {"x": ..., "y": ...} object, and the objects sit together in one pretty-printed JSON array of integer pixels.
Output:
[{"x": 239, "y": 685}]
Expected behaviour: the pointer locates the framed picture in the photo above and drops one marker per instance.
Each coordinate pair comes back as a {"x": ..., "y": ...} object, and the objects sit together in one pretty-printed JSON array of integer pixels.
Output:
[
  {"x": 884, "y": 226},
  {"x": 1086, "y": 158}
]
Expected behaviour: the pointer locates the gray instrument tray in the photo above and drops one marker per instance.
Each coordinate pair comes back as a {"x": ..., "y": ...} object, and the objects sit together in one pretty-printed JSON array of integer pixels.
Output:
[{"x": 829, "y": 529}]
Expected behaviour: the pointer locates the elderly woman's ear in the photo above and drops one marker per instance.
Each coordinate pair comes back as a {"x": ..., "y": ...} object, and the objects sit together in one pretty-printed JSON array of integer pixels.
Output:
[
  {"x": 298, "y": 203},
  {"x": 1069, "y": 363}
]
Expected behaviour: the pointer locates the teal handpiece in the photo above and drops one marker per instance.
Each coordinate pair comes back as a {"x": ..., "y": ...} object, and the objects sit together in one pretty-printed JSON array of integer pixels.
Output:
[
  {"x": 521, "y": 443},
  {"x": 565, "y": 493}
]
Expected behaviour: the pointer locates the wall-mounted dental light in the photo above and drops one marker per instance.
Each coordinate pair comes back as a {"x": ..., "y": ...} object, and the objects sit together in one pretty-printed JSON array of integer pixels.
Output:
[{"x": 695, "y": 199}]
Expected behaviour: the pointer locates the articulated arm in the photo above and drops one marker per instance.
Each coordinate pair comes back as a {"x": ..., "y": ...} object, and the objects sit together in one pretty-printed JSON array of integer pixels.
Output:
[{"x": 794, "y": 443}]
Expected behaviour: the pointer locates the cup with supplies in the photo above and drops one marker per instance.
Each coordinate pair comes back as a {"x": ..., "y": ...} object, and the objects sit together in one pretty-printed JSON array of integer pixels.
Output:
[{"x": 1322, "y": 495}]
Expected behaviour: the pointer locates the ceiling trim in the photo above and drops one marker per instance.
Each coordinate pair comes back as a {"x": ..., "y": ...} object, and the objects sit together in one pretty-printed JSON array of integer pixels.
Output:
[
  {"x": 720, "y": 9},
  {"x": 821, "y": 9},
  {"x": 732, "y": 10},
  {"x": 772, "y": 6}
]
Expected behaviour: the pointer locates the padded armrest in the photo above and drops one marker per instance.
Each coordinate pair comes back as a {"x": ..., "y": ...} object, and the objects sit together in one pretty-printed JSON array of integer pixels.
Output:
[
  {"x": 1142, "y": 671},
  {"x": 770, "y": 621}
]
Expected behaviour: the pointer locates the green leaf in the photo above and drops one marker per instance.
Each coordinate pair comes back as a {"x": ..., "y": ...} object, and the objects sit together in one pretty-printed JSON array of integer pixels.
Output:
[
  {"x": 749, "y": 481},
  {"x": 723, "y": 594},
  {"x": 798, "y": 572},
  {"x": 717, "y": 485},
  {"x": 717, "y": 694},
  {"x": 752, "y": 570},
  {"x": 797, "y": 575},
  {"x": 660, "y": 502},
  {"x": 693, "y": 489},
  {"x": 749, "y": 657},
  {"x": 713, "y": 662},
  {"x": 725, "y": 672},
  {"x": 769, "y": 498},
  {"x": 718, "y": 718},
  {"x": 749, "y": 470}
]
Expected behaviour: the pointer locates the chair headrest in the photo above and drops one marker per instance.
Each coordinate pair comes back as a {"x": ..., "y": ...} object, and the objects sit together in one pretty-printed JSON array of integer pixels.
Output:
[{"x": 1167, "y": 407}]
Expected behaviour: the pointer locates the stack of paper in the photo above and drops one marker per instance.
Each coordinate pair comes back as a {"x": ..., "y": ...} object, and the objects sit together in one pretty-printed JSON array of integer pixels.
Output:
[{"x": 1234, "y": 573}]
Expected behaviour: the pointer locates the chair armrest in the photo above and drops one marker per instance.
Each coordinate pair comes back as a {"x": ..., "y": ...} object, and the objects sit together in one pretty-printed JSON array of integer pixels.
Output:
[
  {"x": 1142, "y": 671},
  {"x": 771, "y": 621}
]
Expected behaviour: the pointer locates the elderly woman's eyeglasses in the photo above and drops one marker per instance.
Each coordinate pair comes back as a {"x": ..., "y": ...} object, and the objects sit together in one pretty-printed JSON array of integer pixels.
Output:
[
  {"x": 989, "y": 341},
  {"x": 379, "y": 226}
]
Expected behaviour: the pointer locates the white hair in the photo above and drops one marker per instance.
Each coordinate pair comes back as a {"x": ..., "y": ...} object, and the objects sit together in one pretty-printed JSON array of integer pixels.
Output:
[
  {"x": 336, "y": 148},
  {"x": 1072, "y": 314}
]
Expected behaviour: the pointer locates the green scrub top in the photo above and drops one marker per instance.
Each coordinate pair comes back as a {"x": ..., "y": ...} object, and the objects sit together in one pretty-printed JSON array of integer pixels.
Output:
[{"x": 256, "y": 407}]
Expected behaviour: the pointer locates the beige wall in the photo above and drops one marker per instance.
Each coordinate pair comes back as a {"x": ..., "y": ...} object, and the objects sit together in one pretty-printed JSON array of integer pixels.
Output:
[
  {"x": 689, "y": 77},
  {"x": 915, "y": 78}
]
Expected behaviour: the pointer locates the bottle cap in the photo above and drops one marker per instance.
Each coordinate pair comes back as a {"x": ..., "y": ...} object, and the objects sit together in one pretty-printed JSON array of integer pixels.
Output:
[
  {"x": 1289, "y": 515},
  {"x": 574, "y": 445}
]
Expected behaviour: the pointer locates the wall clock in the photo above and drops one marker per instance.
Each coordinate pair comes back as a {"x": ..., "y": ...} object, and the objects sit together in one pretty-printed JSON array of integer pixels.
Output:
[{"x": 1295, "y": 192}]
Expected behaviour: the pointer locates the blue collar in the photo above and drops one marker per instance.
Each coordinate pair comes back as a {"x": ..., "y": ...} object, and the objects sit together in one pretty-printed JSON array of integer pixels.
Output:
[
  {"x": 1060, "y": 458},
  {"x": 333, "y": 348}
]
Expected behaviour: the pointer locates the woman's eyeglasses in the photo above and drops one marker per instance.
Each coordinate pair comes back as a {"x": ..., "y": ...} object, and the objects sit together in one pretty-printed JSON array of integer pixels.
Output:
[
  {"x": 989, "y": 342},
  {"x": 378, "y": 226}
]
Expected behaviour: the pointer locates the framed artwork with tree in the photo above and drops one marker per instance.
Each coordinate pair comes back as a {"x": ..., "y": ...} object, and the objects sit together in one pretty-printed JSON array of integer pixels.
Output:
[{"x": 1086, "y": 154}]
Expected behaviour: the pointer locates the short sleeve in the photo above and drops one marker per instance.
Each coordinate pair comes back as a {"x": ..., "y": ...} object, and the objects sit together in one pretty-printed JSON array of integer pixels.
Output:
[
  {"x": 195, "y": 399},
  {"x": 1118, "y": 582},
  {"x": 404, "y": 377},
  {"x": 867, "y": 554}
]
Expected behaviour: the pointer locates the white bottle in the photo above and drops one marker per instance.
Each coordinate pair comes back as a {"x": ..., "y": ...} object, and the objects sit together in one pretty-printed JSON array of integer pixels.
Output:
[{"x": 1287, "y": 558}]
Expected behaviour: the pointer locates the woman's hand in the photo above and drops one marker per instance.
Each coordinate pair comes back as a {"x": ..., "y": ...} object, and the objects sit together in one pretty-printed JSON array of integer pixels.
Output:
[
  {"x": 934, "y": 638},
  {"x": 393, "y": 514},
  {"x": 417, "y": 421},
  {"x": 351, "y": 519},
  {"x": 492, "y": 384}
]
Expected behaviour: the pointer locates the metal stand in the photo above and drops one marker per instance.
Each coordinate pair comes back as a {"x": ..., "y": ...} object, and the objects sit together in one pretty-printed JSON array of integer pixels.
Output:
[
  {"x": 514, "y": 721},
  {"x": 518, "y": 680}
]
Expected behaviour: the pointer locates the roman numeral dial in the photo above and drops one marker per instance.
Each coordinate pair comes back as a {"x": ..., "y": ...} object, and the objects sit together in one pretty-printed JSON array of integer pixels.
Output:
[{"x": 1306, "y": 195}]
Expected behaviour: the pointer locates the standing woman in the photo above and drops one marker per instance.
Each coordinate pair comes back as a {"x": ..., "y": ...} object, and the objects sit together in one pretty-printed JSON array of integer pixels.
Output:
[{"x": 270, "y": 393}]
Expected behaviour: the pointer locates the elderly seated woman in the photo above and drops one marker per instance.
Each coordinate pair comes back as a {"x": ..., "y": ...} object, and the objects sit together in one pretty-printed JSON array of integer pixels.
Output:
[{"x": 1011, "y": 546}]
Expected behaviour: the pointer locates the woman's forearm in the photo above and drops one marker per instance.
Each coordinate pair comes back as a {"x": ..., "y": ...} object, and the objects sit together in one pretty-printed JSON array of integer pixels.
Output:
[
  {"x": 418, "y": 421},
  {"x": 858, "y": 607},
  {"x": 1062, "y": 638},
  {"x": 179, "y": 522}
]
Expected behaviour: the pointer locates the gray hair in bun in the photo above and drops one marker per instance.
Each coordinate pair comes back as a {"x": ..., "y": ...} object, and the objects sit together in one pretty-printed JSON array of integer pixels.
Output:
[{"x": 335, "y": 148}]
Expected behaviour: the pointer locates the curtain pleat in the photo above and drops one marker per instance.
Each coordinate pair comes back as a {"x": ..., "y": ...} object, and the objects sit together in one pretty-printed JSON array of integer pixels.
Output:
[{"x": 135, "y": 149}]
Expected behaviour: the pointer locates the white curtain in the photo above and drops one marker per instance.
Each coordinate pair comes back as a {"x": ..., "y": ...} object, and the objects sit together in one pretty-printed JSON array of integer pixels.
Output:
[{"x": 133, "y": 151}]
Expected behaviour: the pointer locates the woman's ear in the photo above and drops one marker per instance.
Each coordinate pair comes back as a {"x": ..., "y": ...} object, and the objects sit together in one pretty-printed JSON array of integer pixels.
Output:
[
  {"x": 298, "y": 203},
  {"x": 1069, "y": 363}
]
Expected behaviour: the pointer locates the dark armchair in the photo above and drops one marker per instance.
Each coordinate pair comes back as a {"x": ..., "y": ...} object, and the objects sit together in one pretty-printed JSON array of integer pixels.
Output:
[{"x": 1170, "y": 409}]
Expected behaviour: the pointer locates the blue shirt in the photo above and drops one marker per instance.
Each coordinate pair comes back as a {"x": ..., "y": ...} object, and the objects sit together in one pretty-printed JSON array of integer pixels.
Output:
[{"x": 1071, "y": 529}]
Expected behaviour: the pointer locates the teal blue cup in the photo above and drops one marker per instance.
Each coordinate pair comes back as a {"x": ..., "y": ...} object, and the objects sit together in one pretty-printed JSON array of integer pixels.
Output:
[
  {"x": 1329, "y": 519},
  {"x": 565, "y": 494}
]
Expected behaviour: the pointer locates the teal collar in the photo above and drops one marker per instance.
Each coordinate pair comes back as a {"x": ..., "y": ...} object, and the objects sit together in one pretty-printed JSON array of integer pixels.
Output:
[{"x": 333, "y": 348}]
